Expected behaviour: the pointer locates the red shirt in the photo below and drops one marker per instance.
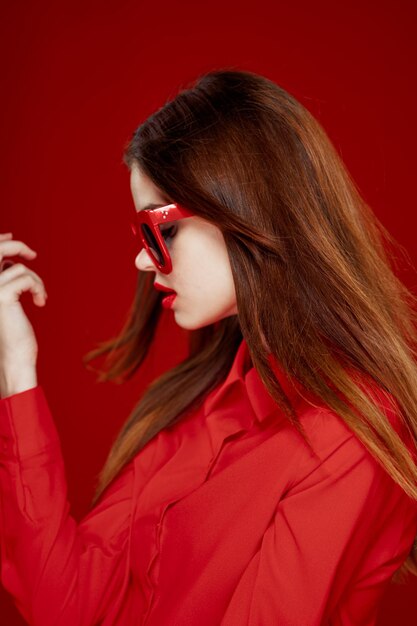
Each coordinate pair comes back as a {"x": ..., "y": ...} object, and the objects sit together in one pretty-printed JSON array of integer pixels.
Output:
[{"x": 224, "y": 518}]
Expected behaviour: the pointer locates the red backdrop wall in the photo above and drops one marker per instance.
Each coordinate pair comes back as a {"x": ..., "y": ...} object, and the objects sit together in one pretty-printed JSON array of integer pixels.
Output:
[{"x": 77, "y": 78}]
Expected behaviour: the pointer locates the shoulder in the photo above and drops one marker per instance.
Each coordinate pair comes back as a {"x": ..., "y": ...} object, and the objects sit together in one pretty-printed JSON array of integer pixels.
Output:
[{"x": 337, "y": 449}]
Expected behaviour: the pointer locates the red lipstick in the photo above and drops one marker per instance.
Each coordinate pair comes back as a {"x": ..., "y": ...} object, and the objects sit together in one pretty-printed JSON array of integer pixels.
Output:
[
  {"x": 168, "y": 301},
  {"x": 163, "y": 288}
]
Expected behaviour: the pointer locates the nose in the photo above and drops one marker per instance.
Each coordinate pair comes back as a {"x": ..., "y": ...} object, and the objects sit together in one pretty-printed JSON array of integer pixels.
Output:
[{"x": 143, "y": 262}]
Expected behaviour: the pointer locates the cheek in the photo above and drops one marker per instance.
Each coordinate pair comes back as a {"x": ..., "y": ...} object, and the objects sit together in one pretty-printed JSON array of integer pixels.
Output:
[
  {"x": 201, "y": 265},
  {"x": 204, "y": 281},
  {"x": 211, "y": 273}
]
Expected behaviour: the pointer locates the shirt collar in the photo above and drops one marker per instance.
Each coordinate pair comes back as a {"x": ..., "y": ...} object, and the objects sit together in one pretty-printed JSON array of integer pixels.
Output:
[{"x": 242, "y": 372}]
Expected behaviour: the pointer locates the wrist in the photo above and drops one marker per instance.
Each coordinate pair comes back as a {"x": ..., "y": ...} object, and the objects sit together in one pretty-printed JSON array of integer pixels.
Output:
[{"x": 17, "y": 379}]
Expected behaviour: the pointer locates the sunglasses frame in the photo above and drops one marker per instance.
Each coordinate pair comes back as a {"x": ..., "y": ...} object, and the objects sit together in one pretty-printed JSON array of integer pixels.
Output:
[{"x": 153, "y": 218}]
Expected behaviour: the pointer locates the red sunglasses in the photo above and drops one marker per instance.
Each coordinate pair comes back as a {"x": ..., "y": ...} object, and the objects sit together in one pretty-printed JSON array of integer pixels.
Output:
[{"x": 148, "y": 227}]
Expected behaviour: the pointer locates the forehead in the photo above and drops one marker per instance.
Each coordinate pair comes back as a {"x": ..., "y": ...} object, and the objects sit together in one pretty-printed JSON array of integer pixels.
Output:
[
  {"x": 140, "y": 183},
  {"x": 145, "y": 193}
]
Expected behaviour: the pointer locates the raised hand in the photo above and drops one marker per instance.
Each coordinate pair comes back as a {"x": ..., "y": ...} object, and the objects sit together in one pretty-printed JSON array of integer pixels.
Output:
[{"x": 18, "y": 345}]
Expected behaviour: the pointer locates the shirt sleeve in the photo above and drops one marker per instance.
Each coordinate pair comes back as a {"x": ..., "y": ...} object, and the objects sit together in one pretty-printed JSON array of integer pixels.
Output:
[
  {"x": 332, "y": 547},
  {"x": 57, "y": 571}
]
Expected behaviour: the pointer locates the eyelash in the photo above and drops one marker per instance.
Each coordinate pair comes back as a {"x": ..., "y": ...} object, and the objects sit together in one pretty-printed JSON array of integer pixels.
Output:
[{"x": 170, "y": 232}]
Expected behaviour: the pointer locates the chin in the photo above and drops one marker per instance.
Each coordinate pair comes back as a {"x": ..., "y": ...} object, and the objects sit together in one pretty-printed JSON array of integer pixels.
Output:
[{"x": 189, "y": 323}]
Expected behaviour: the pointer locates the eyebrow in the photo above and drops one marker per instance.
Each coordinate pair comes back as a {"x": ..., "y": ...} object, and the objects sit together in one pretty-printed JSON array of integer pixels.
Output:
[{"x": 153, "y": 205}]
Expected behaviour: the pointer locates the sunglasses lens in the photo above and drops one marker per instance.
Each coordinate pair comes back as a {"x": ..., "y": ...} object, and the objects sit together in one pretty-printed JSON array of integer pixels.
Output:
[{"x": 153, "y": 244}]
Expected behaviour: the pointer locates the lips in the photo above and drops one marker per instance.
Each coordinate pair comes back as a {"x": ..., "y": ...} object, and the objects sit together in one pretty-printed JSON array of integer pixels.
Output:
[{"x": 160, "y": 287}]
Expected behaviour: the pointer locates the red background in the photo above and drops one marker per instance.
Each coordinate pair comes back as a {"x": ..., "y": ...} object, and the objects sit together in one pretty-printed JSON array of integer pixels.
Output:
[{"x": 76, "y": 81}]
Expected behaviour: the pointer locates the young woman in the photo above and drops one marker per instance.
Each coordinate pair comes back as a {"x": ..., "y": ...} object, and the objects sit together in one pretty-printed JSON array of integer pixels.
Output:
[{"x": 270, "y": 478}]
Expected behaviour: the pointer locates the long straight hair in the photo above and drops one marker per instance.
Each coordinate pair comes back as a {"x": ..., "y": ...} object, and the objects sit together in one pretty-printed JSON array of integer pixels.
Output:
[{"x": 311, "y": 265}]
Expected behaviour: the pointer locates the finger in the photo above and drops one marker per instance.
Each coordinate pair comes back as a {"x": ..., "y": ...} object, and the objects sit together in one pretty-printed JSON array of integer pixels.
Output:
[
  {"x": 11, "y": 291},
  {"x": 10, "y": 269},
  {"x": 5, "y": 264},
  {"x": 6, "y": 235},
  {"x": 12, "y": 247},
  {"x": 18, "y": 269}
]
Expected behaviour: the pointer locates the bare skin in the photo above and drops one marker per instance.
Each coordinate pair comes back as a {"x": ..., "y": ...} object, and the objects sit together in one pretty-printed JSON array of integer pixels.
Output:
[
  {"x": 201, "y": 276},
  {"x": 201, "y": 273},
  {"x": 18, "y": 345}
]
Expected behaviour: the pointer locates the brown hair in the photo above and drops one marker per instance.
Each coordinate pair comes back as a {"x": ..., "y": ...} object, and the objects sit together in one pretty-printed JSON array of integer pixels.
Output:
[{"x": 310, "y": 263}]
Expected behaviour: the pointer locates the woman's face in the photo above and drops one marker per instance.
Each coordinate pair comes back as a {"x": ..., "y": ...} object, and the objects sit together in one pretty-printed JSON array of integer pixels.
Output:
[{"x": 201, "y": 273}]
